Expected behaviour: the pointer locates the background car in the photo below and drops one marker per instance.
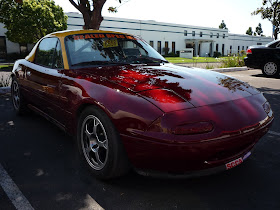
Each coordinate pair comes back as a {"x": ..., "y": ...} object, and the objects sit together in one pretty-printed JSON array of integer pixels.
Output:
[
  {"x": 265, "y": 57},
  {"x": 129, "y": 108}
]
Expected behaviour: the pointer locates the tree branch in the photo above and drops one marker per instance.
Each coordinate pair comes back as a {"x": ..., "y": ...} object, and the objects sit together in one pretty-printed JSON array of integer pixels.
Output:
[{"x": 75, "y": 5}]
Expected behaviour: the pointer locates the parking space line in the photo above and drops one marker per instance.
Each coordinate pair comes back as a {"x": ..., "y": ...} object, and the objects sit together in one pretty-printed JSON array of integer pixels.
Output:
[
  {"x": 91, "y": 204},
  {"x": 13, "y": 192},
  {"x": 274, "y": 133}
]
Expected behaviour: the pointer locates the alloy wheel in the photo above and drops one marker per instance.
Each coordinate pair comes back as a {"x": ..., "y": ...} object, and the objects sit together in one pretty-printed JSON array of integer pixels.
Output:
[
  {"x": 94, "y": 142},
  {"x": 15, "y": 95}
]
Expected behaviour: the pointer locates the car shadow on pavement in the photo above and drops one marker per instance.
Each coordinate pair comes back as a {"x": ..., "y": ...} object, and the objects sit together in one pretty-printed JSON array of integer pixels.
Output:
[{"x": 262, "y": 75}]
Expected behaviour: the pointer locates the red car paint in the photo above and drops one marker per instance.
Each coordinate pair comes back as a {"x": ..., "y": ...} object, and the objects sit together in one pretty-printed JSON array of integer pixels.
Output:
[{"x": 147, "y": 103}]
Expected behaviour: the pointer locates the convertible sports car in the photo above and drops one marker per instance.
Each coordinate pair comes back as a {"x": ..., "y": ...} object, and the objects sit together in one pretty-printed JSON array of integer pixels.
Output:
[{"x": 129, "y": 108}]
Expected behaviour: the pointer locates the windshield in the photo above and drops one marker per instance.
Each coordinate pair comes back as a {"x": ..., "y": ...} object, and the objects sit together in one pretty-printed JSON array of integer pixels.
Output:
[
  {"x": 109, "y": 49},
  {"x": 272, "y": 44}
]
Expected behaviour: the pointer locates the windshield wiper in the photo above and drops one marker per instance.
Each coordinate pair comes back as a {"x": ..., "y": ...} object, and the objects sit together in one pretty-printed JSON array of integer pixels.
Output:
[{"x": 151, "y": 61}]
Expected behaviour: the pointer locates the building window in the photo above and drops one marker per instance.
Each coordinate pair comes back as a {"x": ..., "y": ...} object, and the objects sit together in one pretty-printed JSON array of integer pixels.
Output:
[
  {"x": 218, "y": 35},
  {"x": 238, "y": 49},
  {"x": 185, "y": 33},
  {"x": 200, "y": 34},
  {"x": 159, "y": 47},
  {"x": 152, "y": 43},
  {"x": 242, "y": 47},
  {"x": 259, "y": 43},
  {"x": 230, "y": 49},
  {"x": 247, "y": 48},
  {"x": 173, "y": 47},
  {"x": 3, "y": 48},
  {"x": 217, "y": 47},
  {"x": 211, "y": 35},
  {"x": 193, "y": 33},
  {"x": 224, "y": 36},
  {"x": 23, "y": 48},
  {"x": 166, "y": 48}
]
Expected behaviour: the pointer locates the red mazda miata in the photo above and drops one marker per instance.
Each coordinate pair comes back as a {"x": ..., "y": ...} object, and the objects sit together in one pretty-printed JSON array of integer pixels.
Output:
[{"x": 129, "y": 108}]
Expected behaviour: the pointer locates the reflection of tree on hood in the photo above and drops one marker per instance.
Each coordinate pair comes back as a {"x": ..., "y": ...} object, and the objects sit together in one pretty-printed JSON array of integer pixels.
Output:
[{"x": 232, "y": 84}]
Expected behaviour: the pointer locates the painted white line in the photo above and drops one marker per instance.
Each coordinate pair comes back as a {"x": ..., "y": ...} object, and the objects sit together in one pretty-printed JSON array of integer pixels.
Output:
[
  {"x": 91, "y": 204},
  {"x": 274, "y": 133},
  {"x": 13, "y": 192}
]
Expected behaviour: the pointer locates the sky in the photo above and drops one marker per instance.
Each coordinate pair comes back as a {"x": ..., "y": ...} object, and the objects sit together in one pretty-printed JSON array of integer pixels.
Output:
[{"x": 206, "y": 13}]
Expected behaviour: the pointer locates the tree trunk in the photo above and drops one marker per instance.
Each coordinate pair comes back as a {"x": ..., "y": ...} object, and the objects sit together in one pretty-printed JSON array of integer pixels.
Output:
[
  {"x": 92, "y": 19},
  {"x": 276, "y": 33}
]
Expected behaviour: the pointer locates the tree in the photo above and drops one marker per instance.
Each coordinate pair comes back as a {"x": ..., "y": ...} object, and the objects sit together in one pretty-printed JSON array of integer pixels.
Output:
[
  {"x": 223, "y": 25},
  {"x": 259, "y": 30},
  {"x": 91, "y": 11},
  {"x": 249, "y": 31},
  {"x": 30, "y": 20},
  {"x": 270, "y": 10}
]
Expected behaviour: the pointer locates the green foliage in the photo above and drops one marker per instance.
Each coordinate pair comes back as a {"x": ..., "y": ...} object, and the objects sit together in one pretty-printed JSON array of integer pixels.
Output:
[
  {"x": 171, "y": 54},
  {"x": 242, "y": 52},
  {"x": 192, "y": 60},
  {"x": 270, "y": 10},
  {"x": 235, "y": 61},
  {"x": 249, "y": 31},
  {"x": 259, "y": 30},
  {"x": 217, "y": 54},
  {"x": 31, "y": 20},
  {"x": 223, "y": 25}
]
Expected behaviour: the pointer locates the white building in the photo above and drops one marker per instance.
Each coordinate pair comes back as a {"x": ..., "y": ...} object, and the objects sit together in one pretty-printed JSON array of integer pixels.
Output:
[{"x": 162, "y": 36}]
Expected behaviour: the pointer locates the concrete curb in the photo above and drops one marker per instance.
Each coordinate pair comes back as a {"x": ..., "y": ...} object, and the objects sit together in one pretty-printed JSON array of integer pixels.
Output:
[
  {"x": 5, "y": 90},
  {"x": 230, "y": 69}
]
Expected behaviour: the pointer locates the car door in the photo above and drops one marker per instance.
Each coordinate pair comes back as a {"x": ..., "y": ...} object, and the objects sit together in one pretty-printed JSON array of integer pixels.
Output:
[{"x": 44, "y": 77}]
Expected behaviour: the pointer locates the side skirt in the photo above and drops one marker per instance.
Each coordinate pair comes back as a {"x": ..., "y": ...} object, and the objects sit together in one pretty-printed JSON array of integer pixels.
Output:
[{"x": 46, "y": 116}]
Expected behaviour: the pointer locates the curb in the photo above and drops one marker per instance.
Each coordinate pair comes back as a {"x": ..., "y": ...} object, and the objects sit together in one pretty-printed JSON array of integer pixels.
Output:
[
  {"x": 230, "y": 69},
  {"x": 5, "y": 90}
]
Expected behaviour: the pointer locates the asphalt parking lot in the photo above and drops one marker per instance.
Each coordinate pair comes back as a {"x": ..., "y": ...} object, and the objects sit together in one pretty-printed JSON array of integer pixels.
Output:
[{"x": 41, "y": 162}]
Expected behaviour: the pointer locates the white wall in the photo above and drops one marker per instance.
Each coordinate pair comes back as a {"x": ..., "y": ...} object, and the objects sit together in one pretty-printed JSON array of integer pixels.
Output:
[{"x": 158, "y": 31}]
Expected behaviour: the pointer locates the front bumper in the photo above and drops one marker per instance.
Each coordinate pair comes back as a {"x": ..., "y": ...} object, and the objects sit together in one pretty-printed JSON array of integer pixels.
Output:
[{"x": 187, "y": 158}]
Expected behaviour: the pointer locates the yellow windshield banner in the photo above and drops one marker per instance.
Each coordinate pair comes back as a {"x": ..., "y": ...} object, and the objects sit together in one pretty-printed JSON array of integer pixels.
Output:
[{"x": 96, "y": 36}]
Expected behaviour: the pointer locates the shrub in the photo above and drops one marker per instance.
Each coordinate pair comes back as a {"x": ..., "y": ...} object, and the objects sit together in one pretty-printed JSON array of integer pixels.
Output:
[
  {"x": 243, "y": 52},
  {"x": 172, "y": 54},
  {"x": 15, "y": 56},
  {"x": 217, "y": 54},
  {"x": 235, "y": 61}
]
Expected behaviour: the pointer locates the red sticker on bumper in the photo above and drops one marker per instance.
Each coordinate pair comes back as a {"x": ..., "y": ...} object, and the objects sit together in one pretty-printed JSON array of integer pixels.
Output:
[{"x": 234, "y": 163}]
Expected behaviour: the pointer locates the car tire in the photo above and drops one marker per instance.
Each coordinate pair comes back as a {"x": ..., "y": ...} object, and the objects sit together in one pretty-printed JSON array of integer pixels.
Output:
[
  {"x": 100, "y": 146},
  {"x": 18, "y": 101},
  {"x": 270, "y": 69}
]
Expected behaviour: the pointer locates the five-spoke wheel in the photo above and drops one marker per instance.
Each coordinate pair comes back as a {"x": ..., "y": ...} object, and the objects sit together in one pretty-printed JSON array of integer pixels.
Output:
[
  {"x": 17, "y": 98},
  {"x": 100, "y": 145},
  {"x": 15, "y": 94},
  {"x": 94, "y": 142}
]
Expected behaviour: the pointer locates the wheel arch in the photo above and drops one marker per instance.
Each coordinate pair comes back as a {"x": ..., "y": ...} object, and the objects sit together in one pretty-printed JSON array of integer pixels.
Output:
[{"x": 84, "y": 105}]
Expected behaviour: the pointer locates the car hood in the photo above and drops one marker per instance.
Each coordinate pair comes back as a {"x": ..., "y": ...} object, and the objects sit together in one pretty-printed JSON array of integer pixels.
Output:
[{"x": 172, "y": 87}]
